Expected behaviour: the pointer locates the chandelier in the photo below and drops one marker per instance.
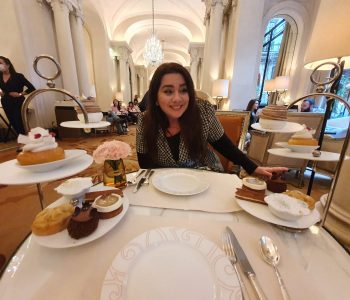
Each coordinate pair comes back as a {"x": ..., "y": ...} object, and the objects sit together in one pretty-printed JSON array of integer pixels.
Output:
[{"x": 153, "y": 54}]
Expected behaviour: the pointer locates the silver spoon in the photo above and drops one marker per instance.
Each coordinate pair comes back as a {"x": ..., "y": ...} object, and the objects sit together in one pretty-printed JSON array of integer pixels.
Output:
[{"x": 271, "y": 256}]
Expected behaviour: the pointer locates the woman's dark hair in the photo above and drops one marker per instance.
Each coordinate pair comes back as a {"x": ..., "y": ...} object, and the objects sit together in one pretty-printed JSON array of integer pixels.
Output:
[
  {"x": 190, "y": 121},
  {"x": 251, "y": 104},
  {"x": 9, "y": 63}
]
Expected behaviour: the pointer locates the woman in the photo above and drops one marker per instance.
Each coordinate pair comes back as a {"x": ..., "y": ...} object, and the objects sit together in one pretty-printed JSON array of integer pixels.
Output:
[
  {"x": 113, "y": 117},
  {"x": 176, "y": 128},
  {"x": 133, "y": 111},
  {"x": 253, "y": 106},
  {"x": 12, "y": 94}
]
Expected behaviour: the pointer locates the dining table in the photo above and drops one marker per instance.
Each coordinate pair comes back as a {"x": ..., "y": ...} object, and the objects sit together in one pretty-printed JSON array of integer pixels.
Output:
[{"x": 151, "y": 251}]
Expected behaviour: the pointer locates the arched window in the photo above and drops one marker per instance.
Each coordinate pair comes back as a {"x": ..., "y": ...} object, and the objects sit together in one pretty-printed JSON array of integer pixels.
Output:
[{"x": 277, "y": 52}]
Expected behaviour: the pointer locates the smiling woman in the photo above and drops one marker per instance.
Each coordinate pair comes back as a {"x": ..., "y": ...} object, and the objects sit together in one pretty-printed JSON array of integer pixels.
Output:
[{"x": 176, "y": 128}]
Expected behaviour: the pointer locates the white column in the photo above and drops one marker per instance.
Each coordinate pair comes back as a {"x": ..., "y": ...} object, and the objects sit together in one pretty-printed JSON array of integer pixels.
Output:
[
  {"x": 211, "y": 67},
  {"x": 80, "y": 52},
  {"x": 61, "y": 10}
]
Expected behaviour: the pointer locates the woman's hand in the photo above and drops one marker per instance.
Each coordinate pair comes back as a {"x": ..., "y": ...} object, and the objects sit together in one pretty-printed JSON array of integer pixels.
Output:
[
  {"x": 267, "y": 171},
  {"x": 15, "y": 94}
]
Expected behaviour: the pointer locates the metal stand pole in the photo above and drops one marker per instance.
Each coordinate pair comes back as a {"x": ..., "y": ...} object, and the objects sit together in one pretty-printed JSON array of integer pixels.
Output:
[{"x": 41, "y": 195}]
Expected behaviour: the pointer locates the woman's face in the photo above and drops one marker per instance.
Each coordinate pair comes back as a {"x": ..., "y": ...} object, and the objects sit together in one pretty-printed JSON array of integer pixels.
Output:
[
  {"x": 3, "y": 66},
  {"x": 173, "y": 96},
  {"x": 256, "y": 105}
]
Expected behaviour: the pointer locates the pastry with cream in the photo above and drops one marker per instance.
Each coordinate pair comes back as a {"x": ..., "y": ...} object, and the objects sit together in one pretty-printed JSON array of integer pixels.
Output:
[
  {"x": 273, "y": 117},
  {"x": 39, "y": 147},
  {"x": 303, "y": 137},
  {"x": 253, "y": 189},
  {"x": 108, "y": 206},
  {"x": 52, "y": 220}
]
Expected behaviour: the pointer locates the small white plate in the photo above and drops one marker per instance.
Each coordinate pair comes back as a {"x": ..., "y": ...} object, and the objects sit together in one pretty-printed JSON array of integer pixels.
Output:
[
  {"x": 182, "y": 182},
  {"x": 262, "y": 212},
  {"x": 63, "y": 240},
  {"x": 297, "y": 148},
  {"x": 290, "y": 127},
  {"x": 69, "y": 155},
  {"x": 78, "y": 124},
  {"x": 170, "y": 263}
]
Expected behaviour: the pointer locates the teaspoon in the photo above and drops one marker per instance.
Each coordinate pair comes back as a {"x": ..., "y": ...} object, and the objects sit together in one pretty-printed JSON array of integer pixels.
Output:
[{"x": 271, "y": 256}]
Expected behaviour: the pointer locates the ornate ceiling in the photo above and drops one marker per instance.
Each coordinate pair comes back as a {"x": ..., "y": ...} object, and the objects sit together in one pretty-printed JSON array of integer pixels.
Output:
[{"x": 177, "y": 23}]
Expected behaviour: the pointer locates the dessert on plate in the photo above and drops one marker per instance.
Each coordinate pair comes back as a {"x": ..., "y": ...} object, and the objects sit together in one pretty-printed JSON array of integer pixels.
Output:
[
  {"x": 273, "y": 117},
  {"x": 52, "y": 220},
  {"x": 108, "y": 206},
  {"x": 277, "y": 183},
  {"x": 303, "y": 197},
  {"x": 253, "y": 189},
  {"x": 93, "y": 110},
  {"x": 83, "y": 222},
  {"x": 303, "y": 138},
  {"x": 39, "y": 147}
]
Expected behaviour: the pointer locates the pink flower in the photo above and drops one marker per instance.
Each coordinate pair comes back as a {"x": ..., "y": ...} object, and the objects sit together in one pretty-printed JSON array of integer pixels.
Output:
[{"x": 111, "y": 150}]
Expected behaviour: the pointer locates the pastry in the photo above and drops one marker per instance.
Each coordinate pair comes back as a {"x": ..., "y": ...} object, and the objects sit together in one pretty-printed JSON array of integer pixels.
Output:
[
  {"x": 277, "y": 183},
  {"x": 108, "y": 206},
  {"x": 52, "y": 220},
  {"x": 253, "y": 189},
  {"x": 303, "y": 137},
  {"x": 83, "y": 222},
  {"x": 303, "y": 197},
  {"x": 39, "y": 147},
  {"x": 273, "y": 117}
]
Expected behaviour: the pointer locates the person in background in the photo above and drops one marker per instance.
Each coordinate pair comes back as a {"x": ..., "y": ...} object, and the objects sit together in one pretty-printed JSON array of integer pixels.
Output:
[
  {"x": 307, "y": 105},
  {"x": 253, "y": 106},
  {"x": 133, "y": 111},
  {"x": 143, "y": 103},
  {"x": 175, "y": 130},
  {"x": 136, "y": 100},
  {"x": 12, "y": 93},
  {"x": 120, "y": 123}
]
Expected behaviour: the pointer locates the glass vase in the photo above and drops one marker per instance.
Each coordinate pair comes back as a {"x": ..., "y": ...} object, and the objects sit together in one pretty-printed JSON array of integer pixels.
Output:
[{"x": 114, "y": 173}]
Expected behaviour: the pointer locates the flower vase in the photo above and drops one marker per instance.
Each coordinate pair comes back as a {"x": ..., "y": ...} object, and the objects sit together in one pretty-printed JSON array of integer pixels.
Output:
[{"x": 114, "y": 173}]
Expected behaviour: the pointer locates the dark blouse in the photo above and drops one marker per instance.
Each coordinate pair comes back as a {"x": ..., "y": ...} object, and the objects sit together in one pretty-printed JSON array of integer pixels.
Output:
[{"x": 15, "y": 83}]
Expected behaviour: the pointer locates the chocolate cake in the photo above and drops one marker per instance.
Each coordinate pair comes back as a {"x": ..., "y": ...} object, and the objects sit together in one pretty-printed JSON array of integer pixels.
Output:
[
  {"x": 83, "y": 222},
  {"x": 277, "y": 184},
  {"x": 274, "y": 112}
]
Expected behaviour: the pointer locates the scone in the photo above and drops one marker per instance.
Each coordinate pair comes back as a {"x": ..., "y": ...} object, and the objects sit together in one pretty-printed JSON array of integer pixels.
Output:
[
  {"x": 39, "y": 147},
  {"x": 52, "y": 220}
]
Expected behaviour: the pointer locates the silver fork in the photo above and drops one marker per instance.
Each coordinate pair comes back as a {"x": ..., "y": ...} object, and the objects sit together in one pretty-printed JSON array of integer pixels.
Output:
[
  {"x": 148, "y": 177},
  {"x": 231, "y": 255},
  {"x": 137, "y": 175}
]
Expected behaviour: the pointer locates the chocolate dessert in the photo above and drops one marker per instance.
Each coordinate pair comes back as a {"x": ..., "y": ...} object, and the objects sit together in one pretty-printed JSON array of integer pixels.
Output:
[
  {"x": 249, "y": 194},
  {"x": 274, "y": 112},
  {"x": 277, "y": 184},
  {"x": 83, "y": 222},
  {"x": 89, "y": 105}
]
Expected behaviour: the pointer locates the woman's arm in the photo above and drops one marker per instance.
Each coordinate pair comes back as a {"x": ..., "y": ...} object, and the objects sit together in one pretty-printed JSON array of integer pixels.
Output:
[
  {"x": 225, "y": 147},
  {"x": 27, "y": 83}
]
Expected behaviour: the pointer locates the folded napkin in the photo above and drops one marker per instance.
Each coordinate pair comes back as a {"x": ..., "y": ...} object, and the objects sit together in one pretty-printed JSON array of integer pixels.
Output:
[{"x": 219, "y": 197}]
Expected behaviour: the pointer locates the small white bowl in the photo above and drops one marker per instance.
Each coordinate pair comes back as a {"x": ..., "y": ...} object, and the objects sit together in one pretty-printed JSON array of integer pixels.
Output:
[
  {"x": 95, "y": 117},
  {"x": 286, "y": 207},
  {"x": 75, "y": 187},
  {"x": 108, "y": 207},
  {"x": 272, "y": 124}
]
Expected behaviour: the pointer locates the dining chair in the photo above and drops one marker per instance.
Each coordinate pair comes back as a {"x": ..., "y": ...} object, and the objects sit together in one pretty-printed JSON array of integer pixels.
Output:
[{"x": 235, "y": 124}]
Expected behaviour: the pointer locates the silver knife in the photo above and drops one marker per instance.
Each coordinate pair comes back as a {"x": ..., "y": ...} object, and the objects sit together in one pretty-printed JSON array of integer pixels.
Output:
[
  {"x": 142, "y": 180},
  {"x": 245, "y": 265}
]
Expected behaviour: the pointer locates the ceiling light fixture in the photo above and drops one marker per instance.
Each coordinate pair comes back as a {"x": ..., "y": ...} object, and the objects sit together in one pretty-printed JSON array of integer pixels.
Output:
[{"x": 153, "y": 54}]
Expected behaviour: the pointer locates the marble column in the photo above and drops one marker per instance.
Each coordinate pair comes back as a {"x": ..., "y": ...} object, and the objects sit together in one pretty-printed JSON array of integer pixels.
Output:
[
  {"x": 211, "y": 67},
  {"x": 123, "y": 51},
  {"x": 61, "y": 9},
  {"x": 80, "y": 52},
  {"x": 196, "y": 53}
]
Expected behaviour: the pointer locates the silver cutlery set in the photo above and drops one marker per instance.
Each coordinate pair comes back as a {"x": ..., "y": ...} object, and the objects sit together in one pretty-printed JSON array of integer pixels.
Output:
[
  {"x": 143, "y": 180},
  {"x": 235, "y": 254}
]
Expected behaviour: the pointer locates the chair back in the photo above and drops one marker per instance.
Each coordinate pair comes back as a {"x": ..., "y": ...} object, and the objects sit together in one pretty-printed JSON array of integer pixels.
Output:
[{"x": 235, "y": 124}]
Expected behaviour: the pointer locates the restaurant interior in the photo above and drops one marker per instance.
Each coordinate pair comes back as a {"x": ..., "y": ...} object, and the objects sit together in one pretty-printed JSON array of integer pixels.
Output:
[{"x": 175, "y": 236}]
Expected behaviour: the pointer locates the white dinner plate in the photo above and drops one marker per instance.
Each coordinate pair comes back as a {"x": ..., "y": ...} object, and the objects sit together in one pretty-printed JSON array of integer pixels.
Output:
[
  {"x": 69, "y": 155},
  {"x": 170, "y": 263},
  {"x": 78, "y": 124},
  {"x": 182, "y": 182},
  {"x": 262, "y": 212},
  {"x": 297, "y": 148},
  {"x": 290, "y": 127},
  {"x": 63, "y": 240}
]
